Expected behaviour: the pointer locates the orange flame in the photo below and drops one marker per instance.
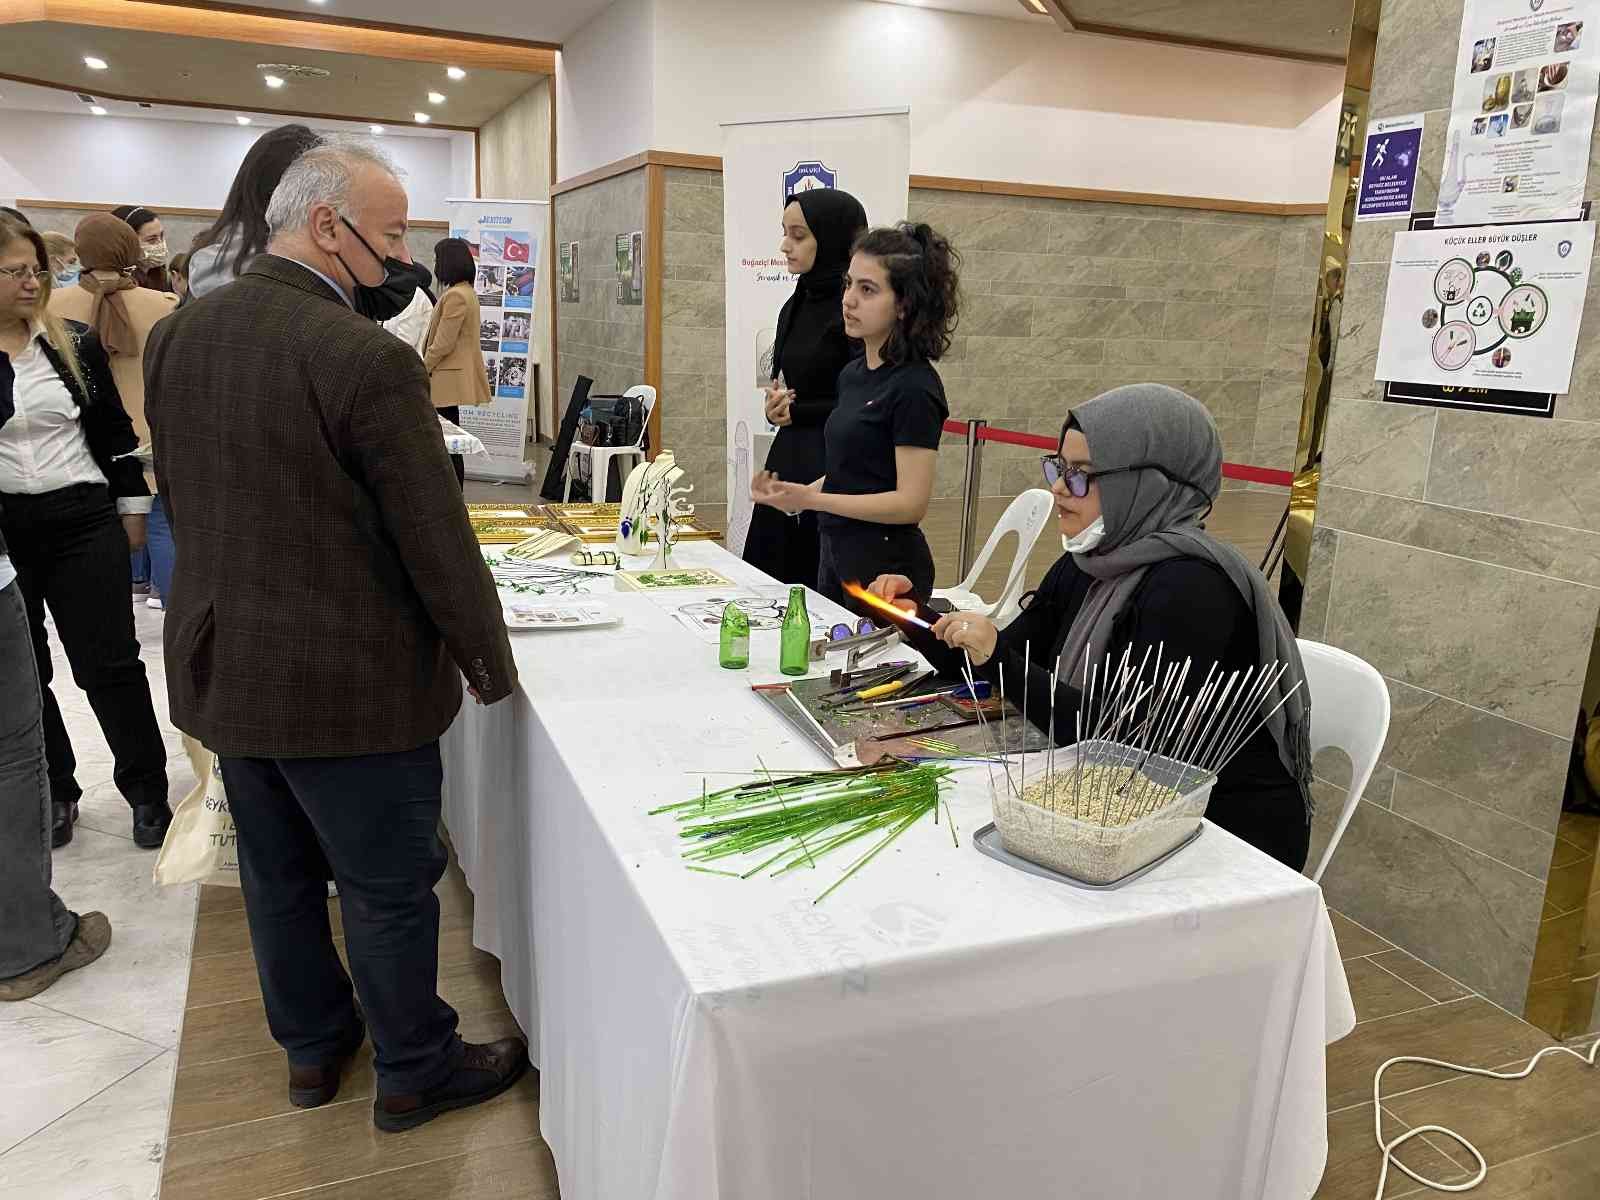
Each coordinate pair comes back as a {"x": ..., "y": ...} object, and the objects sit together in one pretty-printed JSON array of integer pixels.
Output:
[{"x": 883, "y": 606}]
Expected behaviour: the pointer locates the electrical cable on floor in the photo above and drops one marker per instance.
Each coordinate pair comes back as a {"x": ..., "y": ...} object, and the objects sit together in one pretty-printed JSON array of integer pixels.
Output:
[{"x": 1389, "y": 1148}]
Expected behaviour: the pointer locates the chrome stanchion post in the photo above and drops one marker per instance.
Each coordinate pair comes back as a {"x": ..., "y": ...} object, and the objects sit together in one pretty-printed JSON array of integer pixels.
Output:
[{"x": 969, "y": 497}]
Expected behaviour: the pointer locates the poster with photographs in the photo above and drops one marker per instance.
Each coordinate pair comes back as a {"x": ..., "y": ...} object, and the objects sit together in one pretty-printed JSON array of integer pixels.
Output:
[
  {"x": 505, "y": 236},
  {"x": 1527, "y": 73},
  {"x": 630, "y": 268},
  {"x": 567, "y": 270}
]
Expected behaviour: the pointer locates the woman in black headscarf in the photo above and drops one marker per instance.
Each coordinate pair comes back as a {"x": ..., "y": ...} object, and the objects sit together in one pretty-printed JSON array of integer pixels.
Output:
[{"x": 811, "y": 348}]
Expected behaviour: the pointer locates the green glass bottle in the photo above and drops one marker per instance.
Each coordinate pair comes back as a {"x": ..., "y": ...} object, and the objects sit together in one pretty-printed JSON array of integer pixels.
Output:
[
  {"x": 794, "y": 648},
  {"x": 735, "y": 654}
]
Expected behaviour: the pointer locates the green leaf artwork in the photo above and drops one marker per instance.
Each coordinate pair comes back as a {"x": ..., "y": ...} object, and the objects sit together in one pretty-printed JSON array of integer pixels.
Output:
[{"x": 806, "y": 817}]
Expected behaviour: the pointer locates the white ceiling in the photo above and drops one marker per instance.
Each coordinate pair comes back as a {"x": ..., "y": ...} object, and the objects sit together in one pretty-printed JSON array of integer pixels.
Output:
[
  {"x": 24, "y": 97},
  {"x": 530, "y": 20},
  {"x": 1009, "y": 10}
]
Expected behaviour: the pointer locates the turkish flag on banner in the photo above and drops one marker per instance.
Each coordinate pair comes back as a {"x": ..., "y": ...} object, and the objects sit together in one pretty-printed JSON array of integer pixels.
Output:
[{"x": 516, "y": 251}]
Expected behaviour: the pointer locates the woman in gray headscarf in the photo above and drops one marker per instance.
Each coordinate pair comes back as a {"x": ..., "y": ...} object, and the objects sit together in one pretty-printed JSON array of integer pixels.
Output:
[{"x": 1134, "y": 478}]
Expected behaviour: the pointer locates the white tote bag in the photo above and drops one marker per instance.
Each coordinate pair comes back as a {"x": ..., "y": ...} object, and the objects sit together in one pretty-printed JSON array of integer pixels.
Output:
[{"x": 202, "y": 845}]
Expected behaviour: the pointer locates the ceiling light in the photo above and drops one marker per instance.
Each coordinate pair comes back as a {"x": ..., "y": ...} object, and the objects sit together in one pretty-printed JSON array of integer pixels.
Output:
[
  {"x": 93, "y": 63},
  {"x": 273, "y": 81},
  {"x": 455, "y": 72},
  {"x": 97, "y": 110},
  {"x": 435, "y": 97},
  {"x": 242, "y": 120},
  {"x": 376, "y": 129},
  {"x": 421, "y": 118}
]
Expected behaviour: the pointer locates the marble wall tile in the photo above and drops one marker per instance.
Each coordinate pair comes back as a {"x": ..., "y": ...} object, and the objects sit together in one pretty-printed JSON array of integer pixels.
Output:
[
  {"x": 1504, "y": 766},
  {"x": 1561, "y": 553},
  {"x": 1482, "y": 828},
  {"x": 1537, "y": 470},
  {"x": 1373, "y": 242},
  {"x": 997, "y": 316},
  {"x": 1329, "y": 799},
  {"x": 1472, "y": 917},
  {"x": 1430, "y": 161},
  {"x": 1149, "y": 352},
  {"x": 1314, "y": 606},
  {"x": 1247, "y": 245},
  {"x": 1461, "y": 628},
  {"x": 1360, "y": 318},
  {"x": 1415, "y": 67},
  {"x": 1104, "y": 236},
  {"x": 1098, "y": 319},
  {"x": 1378, "y": 447},
  {"x": 1582, "y": 403},
  {"x": 1241, "y": 325},
  {"x": 699, "y": 305},
  {"x": 693, "y": 250},
  {"x": 692, "y": 208},
  {"x": 695, "y": 177}
]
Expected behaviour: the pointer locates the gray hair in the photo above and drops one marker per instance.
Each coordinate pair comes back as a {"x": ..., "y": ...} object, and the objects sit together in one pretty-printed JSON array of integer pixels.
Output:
[{"x": 324, "y": 174}]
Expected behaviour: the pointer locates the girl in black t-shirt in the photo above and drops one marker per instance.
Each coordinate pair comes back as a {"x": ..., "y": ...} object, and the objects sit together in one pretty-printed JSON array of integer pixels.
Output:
[{"x": 882, "y": 439}]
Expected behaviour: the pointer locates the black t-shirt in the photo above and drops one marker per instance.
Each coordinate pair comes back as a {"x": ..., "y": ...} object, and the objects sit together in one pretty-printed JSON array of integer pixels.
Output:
[{"x": 900, "y": 405}]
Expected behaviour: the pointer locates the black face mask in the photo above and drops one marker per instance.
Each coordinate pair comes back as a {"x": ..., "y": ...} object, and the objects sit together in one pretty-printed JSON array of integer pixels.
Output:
[{"x": 386, "y": 300}]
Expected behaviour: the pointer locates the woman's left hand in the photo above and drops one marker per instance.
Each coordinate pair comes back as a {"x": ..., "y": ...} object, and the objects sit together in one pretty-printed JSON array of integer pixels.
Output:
[
  {"x": 133, "y": 524},
  {"x": 970, "y": 632},
  {"x": 767, "y": 488}
]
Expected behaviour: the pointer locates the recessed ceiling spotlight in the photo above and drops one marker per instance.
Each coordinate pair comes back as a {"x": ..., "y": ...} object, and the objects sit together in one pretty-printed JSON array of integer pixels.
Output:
[
  {"x": 455, "y": 73},
  {"x": 435, "y": 97},
  {"x": 97, "y": 110},
  {"x": 421, "y": 118},
  {"x": 273, "y": 81},
  {"x": 242, "y": 120},
  {"x": 376, "y": 129},
  {"x": 93, "y": 63}
]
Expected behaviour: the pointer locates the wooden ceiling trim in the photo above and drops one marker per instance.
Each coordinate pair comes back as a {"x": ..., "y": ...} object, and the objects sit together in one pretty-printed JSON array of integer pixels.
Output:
[{"x": 276, "y": 29}]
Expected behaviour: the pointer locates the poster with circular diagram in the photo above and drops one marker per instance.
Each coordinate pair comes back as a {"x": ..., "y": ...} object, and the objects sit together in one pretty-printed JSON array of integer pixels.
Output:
[{"x": 1487, "y": 306}]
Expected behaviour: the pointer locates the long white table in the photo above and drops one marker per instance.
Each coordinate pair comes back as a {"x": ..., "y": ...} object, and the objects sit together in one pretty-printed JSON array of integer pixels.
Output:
[{"x": 941, "y": 1026}]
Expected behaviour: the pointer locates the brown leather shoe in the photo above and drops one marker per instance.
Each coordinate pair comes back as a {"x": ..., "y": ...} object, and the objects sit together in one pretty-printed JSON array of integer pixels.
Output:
[
  {"x": 88, "y": 943},
  {"x": 311, "y": 1087},
  {"x": 486, "y": 1070}
]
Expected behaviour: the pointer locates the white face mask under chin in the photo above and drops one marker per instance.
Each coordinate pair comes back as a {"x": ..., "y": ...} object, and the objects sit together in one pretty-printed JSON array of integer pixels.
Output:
[{"x": 1091, "y": 536}]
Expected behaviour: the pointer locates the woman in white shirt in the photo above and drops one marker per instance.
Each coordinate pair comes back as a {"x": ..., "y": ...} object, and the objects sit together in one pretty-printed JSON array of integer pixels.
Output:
[{"x": 72, "y": 502}]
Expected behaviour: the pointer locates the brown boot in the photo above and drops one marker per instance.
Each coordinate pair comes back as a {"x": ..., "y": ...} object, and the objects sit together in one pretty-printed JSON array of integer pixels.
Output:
[
  {"x": 87, "y": 944},
  {"x": 311, "y": 1087},
  {"x": 486, "y": 1070}
]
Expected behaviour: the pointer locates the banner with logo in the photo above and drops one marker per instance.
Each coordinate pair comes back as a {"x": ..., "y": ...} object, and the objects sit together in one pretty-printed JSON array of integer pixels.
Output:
[
  {"x": 867, "y": 154},
  {"x": 505, "y": 236}
]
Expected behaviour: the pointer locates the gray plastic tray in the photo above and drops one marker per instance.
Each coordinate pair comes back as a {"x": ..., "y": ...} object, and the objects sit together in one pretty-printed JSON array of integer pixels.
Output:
[{"x": 987, "y": 841}]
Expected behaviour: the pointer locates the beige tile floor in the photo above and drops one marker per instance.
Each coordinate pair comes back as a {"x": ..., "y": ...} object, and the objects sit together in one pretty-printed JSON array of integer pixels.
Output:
[
  {"x": 86, "y": 1067},
  {"x": 101, "y": 1098}
]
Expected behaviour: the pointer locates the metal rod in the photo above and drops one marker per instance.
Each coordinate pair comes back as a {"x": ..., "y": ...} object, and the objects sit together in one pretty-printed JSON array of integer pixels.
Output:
[{"x": 971, "y": 489}]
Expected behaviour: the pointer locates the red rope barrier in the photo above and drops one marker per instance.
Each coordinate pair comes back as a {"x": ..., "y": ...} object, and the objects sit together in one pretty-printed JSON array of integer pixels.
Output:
[{"x": 1010, "y": 437}]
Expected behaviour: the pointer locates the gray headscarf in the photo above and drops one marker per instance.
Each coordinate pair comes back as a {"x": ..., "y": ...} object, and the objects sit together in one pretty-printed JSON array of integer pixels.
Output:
[{"x": 1151, "y": 518}]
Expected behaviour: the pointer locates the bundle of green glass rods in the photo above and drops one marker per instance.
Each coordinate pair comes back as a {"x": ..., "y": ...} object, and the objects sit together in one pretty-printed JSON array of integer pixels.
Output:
[{"x": 809, "y": 815}]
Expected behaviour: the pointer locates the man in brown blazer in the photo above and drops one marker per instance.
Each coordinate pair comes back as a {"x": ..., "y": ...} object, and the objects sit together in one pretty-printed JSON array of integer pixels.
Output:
[{"x": 327, "y": 600}]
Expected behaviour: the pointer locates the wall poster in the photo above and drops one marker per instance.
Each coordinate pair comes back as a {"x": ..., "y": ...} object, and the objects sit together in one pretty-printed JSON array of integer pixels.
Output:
[
  {"x": 567, "y": 271},
  {"x": 1527, "y": 72},
  {"x": 505, "y": 236},
  {"x": 630, "y": 268},
  {"x": 1496, "y": 307},
  {"x": 1389, "y": 170}
]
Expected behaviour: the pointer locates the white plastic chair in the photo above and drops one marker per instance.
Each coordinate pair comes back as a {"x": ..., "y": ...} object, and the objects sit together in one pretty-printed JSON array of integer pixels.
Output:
[
  {"x": 1026, "y": 516},
  {"x": 1350, "y": 710},
  {"x": 600, "y": 456}
]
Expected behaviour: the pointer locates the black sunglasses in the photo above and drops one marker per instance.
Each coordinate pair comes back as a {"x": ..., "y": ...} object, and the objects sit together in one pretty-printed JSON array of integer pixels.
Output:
[
  {"x": 1077, "y": 478},
  {"x": 841, "y": 631}
]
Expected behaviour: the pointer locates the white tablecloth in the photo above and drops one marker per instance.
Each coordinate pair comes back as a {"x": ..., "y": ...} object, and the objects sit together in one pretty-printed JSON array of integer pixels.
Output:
[{"x": 941, "y": 1026}]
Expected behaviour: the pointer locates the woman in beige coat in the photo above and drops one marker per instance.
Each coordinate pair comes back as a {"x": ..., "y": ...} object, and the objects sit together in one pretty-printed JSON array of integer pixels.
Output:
[
  {"x": 107, "y": 299},
  {"x": 452, "y": 352}
]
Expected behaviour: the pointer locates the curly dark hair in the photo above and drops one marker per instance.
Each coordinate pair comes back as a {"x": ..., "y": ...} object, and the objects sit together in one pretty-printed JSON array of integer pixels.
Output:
[{"x": 924, "y": 271}]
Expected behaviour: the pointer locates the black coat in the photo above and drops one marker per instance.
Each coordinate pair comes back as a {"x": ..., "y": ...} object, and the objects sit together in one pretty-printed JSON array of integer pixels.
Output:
[{"x": 1192, "y": 610}]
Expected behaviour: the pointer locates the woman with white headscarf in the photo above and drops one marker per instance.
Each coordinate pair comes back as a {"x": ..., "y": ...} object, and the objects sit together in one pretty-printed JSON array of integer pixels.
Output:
[{"x": 1134, "y": 477}]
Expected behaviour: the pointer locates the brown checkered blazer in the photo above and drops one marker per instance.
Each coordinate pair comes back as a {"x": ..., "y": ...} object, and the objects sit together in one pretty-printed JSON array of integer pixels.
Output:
[{"x": 328, "y": 594}]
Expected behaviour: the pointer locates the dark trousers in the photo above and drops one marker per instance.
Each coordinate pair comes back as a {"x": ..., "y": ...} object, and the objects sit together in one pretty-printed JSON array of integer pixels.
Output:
[
  {"x": 459, "y": 462},
  {"x": 71, "y": 556},
  {"x": 859, "y": 553},
  {"x": 34, "y": 925},
  {"x": 374, "y": 820}
]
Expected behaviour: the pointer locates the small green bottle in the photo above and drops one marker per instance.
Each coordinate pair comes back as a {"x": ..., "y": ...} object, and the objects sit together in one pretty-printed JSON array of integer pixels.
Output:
[
  {"x": 735, "y": 654},
  {"x": 794, "y": 647}
]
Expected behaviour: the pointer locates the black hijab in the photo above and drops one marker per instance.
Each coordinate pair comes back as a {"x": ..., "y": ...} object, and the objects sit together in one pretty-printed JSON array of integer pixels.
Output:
[{"x": 836, "y": 219}]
